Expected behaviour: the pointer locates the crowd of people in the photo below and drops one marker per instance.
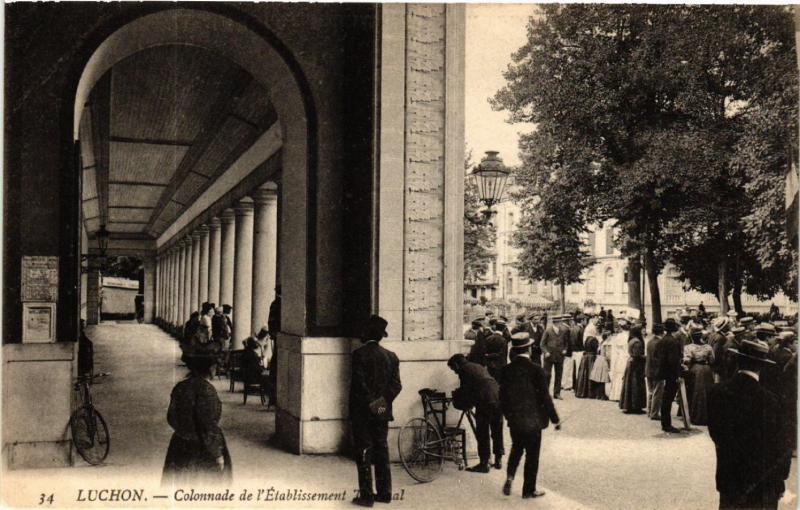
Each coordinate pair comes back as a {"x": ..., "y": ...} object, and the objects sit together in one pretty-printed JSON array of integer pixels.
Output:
[{"x": 610, "y": 358}]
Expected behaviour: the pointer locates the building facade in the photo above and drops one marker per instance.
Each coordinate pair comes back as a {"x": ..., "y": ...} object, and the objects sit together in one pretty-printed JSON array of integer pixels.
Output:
[
  {"x": 265, "y": 157},
  {"x": 604, "y": 284}
]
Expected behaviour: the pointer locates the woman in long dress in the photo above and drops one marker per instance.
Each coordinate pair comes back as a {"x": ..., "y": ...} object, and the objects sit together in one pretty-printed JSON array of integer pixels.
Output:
[
  {"x": 582, "y": 381},
  {"x": 197, "y": 452},
  {"x": 598, "y": 378},
  {"x": 618, "y": 360},
  {"x": 634, "y": 394},
  {"x": 698, "y": 357}
]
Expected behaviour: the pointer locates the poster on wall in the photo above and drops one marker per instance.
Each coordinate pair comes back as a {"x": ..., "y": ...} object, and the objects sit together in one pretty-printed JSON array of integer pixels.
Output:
[
  {"x": 39, "y": 278},
  {"x": 38, "y": 322}
]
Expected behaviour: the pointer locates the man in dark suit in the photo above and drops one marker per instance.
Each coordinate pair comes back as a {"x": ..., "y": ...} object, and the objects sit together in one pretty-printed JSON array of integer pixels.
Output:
[
  {"x": 555, "y": 342},
  {"x": 535, "y": 330},
  {"x": 491, "y": 351},
  {"x": 717, "y": 340},
  {"x": 669, "y": 353},
  {"x": 753, "y": 459},
  {"x": 528, "y": 408},
  {"x": 655, "y": 386},
  {"x": 374, "y": 384},
  {"x": 480, "y": 390}
]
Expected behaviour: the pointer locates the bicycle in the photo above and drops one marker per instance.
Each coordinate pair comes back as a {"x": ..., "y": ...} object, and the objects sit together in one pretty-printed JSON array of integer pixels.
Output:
[
  {"x": 425, "y": 443},
  {"x": 88, "y": 428}
]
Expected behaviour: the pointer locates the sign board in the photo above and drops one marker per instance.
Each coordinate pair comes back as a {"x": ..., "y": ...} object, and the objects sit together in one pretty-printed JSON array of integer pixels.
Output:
[
  {"x": 39, "y": 279},
  {"x": 38, "y": 322}
]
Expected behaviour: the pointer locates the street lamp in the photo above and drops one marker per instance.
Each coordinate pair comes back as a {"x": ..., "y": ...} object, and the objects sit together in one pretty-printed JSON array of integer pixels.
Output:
[
  {"x": 96, "y": 262},
  {"x": 490, "y": 177}
]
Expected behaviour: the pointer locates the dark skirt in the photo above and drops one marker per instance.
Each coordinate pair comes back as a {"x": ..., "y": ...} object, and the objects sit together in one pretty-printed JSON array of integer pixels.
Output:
[
  {"x": 188, "y": 462},
  {"x": 582, "y": 382},
  {"x": 634, "y": 391},
  {"x": 702, "y": 378}
]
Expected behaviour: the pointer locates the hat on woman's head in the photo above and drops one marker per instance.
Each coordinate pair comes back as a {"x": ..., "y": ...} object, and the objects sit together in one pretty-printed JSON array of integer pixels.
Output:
[
  {"x": 375, "y": 328},
  {"x": 226, "y": 308},
  {"x": 251, "y": 343},
  {"x": 670, "y": 325},
  {"x": 262, "y": 333},
  {"x": 521, "y": 340}
]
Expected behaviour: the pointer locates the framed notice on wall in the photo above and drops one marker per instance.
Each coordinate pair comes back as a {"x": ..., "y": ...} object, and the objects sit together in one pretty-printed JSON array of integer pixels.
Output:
[
  {"x": 39, "y": 279},
  {"x": 38, "y": 322}
]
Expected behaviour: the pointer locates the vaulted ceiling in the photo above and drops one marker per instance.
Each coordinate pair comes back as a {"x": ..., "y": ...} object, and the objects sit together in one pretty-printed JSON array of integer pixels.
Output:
[{"x": 158, "y": 129}]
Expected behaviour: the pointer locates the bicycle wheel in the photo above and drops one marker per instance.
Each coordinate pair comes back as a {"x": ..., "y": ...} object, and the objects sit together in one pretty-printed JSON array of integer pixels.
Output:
[
  {"x": 421, "y": 449},
  {"x": 90, "y": 435}
]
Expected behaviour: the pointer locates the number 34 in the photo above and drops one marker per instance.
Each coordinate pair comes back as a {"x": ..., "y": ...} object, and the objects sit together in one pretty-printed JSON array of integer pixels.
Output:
[{"x": 45, "y": 498}]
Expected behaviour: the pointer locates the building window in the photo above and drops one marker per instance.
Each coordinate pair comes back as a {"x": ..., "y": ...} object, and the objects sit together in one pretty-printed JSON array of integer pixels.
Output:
[
  {"x": 494, "y": 268},
  {"x": 609, "y": 281},
  {"x": 625, "y": 281},
  {"x": 510, "y": 285},
  {"x": 534, "y": 287},
  {"x": 574, "y": 288},
  {"x": 609, "y": 241},
  {"x": 590, "y": 243},
  {"x": 475, "y": 293},
  {"x": 590, "y": 283}
]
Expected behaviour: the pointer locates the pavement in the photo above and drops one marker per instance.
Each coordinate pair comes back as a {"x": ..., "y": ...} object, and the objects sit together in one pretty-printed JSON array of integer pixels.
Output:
[{"x": 601, "y": 459}]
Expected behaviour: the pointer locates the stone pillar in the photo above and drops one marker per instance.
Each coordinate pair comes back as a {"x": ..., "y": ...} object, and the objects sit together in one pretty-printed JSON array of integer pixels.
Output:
[
  {"x": 214, "y": 239},
  {"x": 188, "y": 304},
  {"x": 149, "y": 288},
  {"x": 227, "y": 245},
  {"x": 179, "y": 317},
  {"x": 195, "y": 287},
  {"x": 202, "y": 291},
  {"x": 171, "y": 286},
  {"x": 243, "y": 272},
  {"x": 175, "y": 291},
  {"x": 264, "y": 248},
  {"x": 93, "y": 298}
]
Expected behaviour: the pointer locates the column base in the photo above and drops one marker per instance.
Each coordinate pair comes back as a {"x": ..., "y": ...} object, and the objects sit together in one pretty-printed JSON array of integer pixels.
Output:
[
  {"x": 314, "y": 384},
  {"x": 37, "y": 394}
]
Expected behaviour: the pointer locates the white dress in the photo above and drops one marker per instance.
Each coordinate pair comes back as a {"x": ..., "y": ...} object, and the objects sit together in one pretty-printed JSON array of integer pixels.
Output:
[{"x": 619, "y": 360}]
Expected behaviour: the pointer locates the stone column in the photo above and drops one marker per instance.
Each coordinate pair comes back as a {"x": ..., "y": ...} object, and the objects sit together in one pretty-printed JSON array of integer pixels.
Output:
[
  {"x": 157, "y": 286},
  {"x": 175, "y": 291},
  {"x": 181, "y": 276},
  {"x": 264, "y": 248},
  {"x": 149, "y": 288},
  {"x": 214, "y": 239},
  {"x": 195, "y": 288},
  {"x": 202, "y": 291},
  {"x": 227, "y": 245},
  {"x": 243, "y": 272},
  {"x": 188, "y": 304}
]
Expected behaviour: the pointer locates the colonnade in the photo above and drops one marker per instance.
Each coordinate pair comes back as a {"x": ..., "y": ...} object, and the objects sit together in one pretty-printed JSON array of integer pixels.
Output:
[{"x": 229, "y": 260}]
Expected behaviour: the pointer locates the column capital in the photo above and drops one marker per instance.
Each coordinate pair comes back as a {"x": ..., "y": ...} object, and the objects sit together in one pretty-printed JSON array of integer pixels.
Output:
[
  {"x": 244, "y": 207},
  {"x": 187, "y": 241},
  {"x": 196, "y": 235},
  {"x": 214, "y": 224},
  {"x": 202, "y": 230},
  {"x": 227, "y": 217},
  {"x": 265, "y": 193}
]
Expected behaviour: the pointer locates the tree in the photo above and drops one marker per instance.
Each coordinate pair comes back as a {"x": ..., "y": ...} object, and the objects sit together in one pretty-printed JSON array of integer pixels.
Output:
[
  {"x": 548, "y": 233},
  {"x": 479, "y": 237},
  {"x": 640, "y": 106}
]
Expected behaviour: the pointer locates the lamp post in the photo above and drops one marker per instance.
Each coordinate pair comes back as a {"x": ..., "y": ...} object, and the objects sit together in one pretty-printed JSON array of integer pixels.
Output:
[
  {"x": 490, "y": 177},
  {"x": 96, "y": 262}
]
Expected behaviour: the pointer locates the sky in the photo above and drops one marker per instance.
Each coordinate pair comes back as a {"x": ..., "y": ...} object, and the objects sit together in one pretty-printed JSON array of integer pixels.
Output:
[{"x": 494, "y": 32}]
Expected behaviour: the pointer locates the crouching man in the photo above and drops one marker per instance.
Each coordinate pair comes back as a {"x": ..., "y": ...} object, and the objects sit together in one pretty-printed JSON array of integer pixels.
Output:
[{"x": 479, "y": 389}]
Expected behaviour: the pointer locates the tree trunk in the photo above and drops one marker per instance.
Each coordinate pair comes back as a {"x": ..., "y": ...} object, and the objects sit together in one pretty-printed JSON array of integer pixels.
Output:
[
  {"x": 722, "y": 292},
  {"x": 634, "y": 283},
  {"x": 652, "y": 281},
  {"x": 562, "y": 304}
]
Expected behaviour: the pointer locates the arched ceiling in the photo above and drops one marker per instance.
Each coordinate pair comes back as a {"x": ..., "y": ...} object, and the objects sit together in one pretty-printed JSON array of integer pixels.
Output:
[{"x": 159, "y": 127}]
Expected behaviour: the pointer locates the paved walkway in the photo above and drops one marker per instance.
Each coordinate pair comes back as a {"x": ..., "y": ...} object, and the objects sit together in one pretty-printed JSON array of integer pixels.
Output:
[{"x": 601, "y": 459}]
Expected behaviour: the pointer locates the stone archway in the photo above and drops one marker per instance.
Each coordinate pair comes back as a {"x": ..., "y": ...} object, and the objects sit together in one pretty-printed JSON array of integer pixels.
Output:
[{"x": 269, "y": 65}]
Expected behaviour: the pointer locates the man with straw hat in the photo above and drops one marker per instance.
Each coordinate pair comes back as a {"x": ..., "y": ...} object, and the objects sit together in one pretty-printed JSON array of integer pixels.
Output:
[{"x": 752, "y": 458}]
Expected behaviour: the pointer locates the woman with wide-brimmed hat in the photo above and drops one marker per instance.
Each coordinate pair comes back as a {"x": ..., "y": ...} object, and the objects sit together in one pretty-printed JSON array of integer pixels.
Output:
[{"x": 197, "y": 451}]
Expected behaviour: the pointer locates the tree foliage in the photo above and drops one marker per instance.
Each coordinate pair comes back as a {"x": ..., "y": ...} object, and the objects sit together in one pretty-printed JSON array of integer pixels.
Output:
[{"x": 639, "y": 111}]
